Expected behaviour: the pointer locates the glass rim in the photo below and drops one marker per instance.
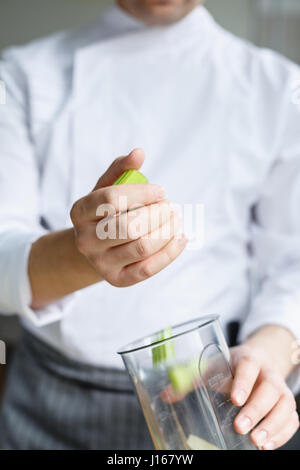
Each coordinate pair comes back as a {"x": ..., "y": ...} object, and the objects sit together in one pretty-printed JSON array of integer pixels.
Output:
[{"x": 147, "y": 341}]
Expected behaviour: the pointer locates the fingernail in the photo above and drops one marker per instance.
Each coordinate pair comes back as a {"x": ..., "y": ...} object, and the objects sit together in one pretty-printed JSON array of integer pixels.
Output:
[
  {"x": 260, "y": 436},
  {"x": 240, "y": 397},
  {"x": 269, "y": 445},
  {"x": 182, "y": 241},
  {"x": 244, "y": 423}
]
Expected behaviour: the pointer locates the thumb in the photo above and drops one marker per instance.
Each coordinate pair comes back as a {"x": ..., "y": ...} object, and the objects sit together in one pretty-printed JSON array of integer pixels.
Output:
[{"x": 133, "y": 161}]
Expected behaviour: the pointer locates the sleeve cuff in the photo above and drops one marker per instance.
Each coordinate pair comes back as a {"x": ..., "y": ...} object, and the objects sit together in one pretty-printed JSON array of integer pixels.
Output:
[{"x": 15, "y": 291}]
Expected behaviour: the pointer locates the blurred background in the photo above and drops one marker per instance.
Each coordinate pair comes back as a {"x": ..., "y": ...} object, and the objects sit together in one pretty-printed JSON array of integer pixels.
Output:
[
  {"x": 267, "y": 23},
  {"x": 271, "y": 23}
]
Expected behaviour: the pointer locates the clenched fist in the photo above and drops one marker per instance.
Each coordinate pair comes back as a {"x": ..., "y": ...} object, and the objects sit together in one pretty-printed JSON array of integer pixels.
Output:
[{"x": 128, "y": 233}]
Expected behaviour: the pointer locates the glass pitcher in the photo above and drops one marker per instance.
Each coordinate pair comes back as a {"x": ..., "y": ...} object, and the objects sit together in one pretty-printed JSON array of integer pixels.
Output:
[{"x": 182, "y": 377}]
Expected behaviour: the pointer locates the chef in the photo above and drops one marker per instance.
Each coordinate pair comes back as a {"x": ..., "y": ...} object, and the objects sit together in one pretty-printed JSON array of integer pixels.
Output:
[{"x": 154, "y": 85}]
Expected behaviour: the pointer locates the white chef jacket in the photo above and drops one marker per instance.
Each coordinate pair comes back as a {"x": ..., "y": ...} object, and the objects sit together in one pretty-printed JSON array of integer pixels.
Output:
[{"x": 217, "y": 119}]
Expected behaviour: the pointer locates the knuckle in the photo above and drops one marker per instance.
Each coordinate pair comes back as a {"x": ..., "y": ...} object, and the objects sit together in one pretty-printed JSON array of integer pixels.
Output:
[
  {"x": 116, "y": 162},
  {"x": 273, "y": 376},
  {"x": 145, "y": 271},
  {"x": 115, "y": 283},
  {"x": 143, "y": 248},
  {"x": 129, "y": 229},
  {"x": 272, "y": 387},
  {"x": 247, "y": 359},
  {"x": 136, "y": 228},
  {"x": 117, "y": 277},
  {"x": 274, "y": 380},
  {"x": 76, "y": 212},
  {"x": 245, "y": 350},
  {"x": 251, "y": 355},
  {"x": 254, "y": 411},
  {"x": 169, "y": 256},
  {"x": 271, "y": 379},
  {"x": 113, "y": 279},
  {"x": 109, "y": 197},
  {"x": 121, "y": 284},
  {"x": 122, "y": 228}
]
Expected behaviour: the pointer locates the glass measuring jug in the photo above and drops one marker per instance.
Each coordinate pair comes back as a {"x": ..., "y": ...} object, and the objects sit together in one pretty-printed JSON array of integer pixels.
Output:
[{"x": 182, "y": 377}]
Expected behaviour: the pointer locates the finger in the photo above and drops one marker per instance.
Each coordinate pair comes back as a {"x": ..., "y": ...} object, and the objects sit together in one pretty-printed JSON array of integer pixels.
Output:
[
  {"x": 145, "y": 246},
  {"x": 110, "y": 201},
  {"x": 135, "y": 224},
  {"x": 245, "y": 376},
  {"x": 142, "y": 270},
  {"x": 95, "y": 238},
  {"x": 275, "y": 421},
  {"x": 169, "y": 395},
  {"x": 133, "y": 161},
  {"x": 261, "y": 401},
  {"x": 285, "y": 435}
]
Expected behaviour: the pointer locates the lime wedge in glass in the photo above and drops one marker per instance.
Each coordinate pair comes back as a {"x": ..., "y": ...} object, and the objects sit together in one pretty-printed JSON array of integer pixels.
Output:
[
  {"x": 165, "y": 351},
  {"x": 196, "y": 443}
]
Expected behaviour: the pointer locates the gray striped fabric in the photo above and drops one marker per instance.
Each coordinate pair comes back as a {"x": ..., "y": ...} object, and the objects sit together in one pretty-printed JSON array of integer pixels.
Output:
[{"x": 54, "y": 403}]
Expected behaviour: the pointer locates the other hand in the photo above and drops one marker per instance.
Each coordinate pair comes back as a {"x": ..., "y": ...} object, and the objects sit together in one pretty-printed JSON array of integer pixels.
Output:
[{"x": 268, "y": 405}]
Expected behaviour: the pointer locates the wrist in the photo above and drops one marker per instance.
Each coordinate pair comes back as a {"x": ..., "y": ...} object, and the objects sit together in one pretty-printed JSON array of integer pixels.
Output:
[
  {"x": 275, "y": 343},
  {"x": 56, "y": 268},
  {"x": 80, "y": 263}
]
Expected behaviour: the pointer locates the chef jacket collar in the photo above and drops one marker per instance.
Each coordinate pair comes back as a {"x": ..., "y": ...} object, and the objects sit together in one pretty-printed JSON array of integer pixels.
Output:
[
  {"x": 121, "y": 33},
  {"x": 116, "y": 24}
]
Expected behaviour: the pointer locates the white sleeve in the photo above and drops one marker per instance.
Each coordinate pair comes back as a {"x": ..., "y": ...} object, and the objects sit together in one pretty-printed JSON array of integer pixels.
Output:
[
  {"x": 19, "y": 198},
  {"x": 276, "y": 233}
]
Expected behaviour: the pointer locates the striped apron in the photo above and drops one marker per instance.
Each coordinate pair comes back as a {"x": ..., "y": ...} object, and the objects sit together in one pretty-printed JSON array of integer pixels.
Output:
[{"x": 51, "y": 402}]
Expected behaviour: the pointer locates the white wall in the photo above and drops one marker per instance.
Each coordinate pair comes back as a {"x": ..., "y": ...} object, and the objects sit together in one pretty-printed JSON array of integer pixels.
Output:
[{"x": 23, "y": 20}]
